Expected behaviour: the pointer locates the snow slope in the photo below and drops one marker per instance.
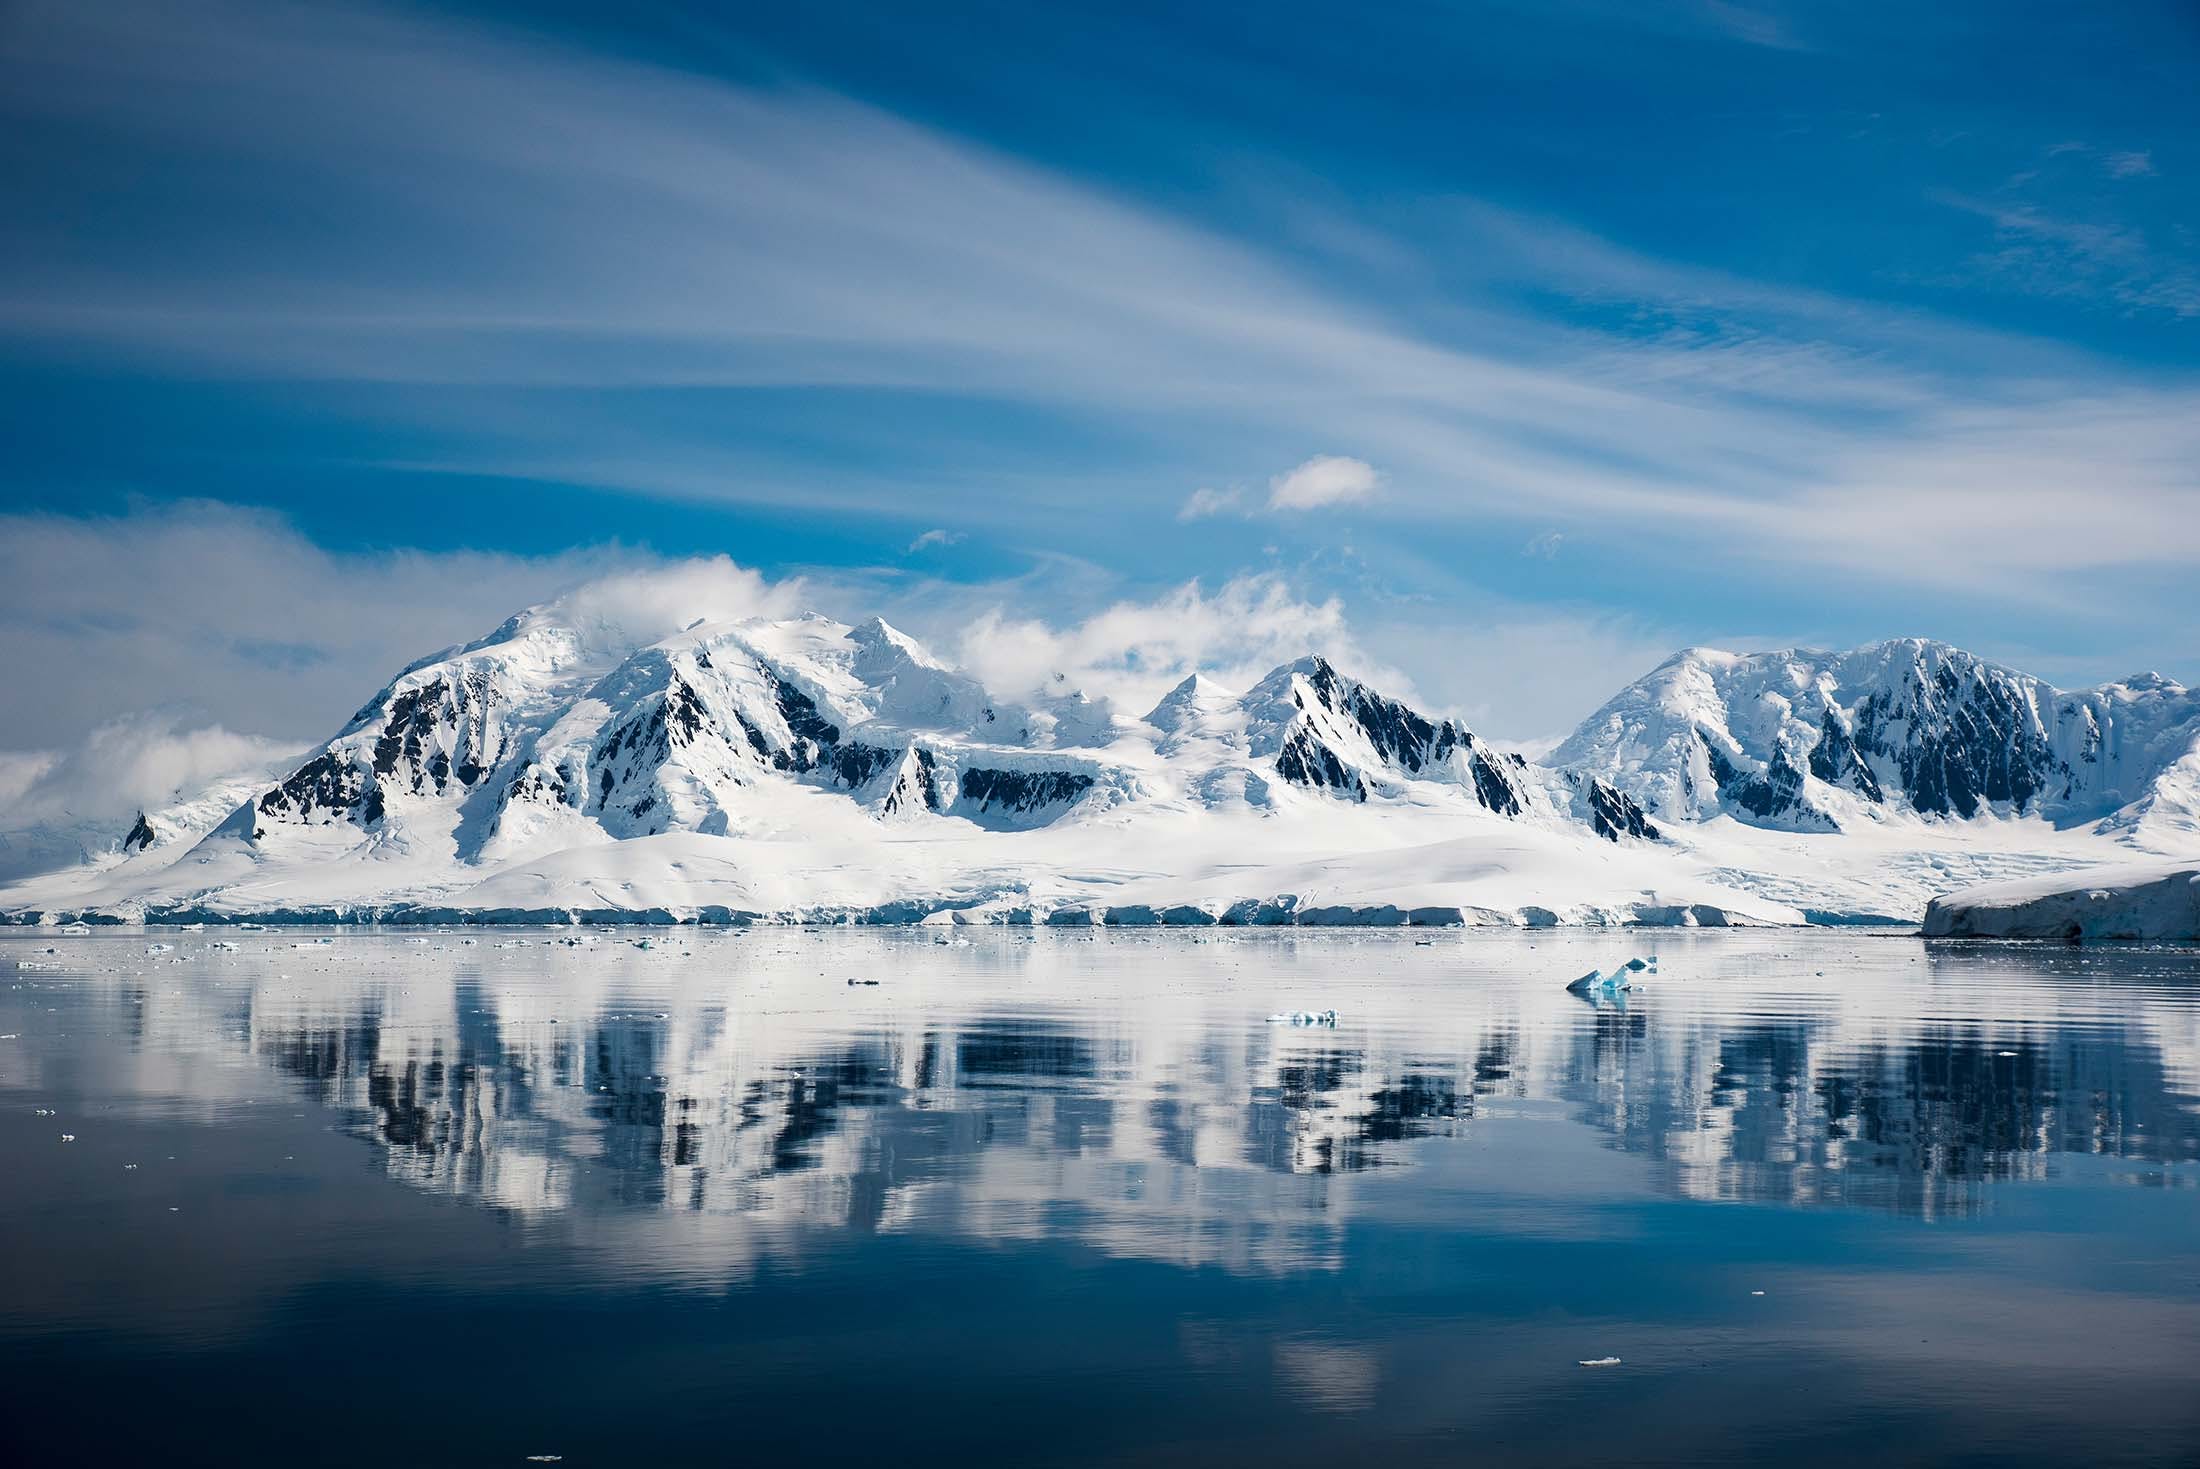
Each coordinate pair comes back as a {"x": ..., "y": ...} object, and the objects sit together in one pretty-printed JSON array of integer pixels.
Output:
[{"x": 809, "y": 770}]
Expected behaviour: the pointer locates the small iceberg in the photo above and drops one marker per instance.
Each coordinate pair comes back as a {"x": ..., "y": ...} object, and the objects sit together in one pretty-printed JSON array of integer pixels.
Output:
[
  {"x": 1304, "y": 1017},
  {"x": 1617, "y": 982}
]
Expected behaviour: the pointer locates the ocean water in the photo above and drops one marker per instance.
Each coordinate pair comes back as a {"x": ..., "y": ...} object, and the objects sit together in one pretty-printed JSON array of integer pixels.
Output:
[{"x": 1073, "y": 1197}]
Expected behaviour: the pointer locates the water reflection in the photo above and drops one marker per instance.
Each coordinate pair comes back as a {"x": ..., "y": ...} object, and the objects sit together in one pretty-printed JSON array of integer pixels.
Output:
[
  {"x": 656, "y": 1202},
  {"x": 1130, "y": 1094}
]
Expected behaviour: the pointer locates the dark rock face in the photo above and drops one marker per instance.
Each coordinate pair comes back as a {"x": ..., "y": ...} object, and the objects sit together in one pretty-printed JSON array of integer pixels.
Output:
[
  {"x": 1406, "y": 741},
  {"x": 408, "y": 751},
  {"x": 1498, "y": 780},
  {"x": 1963, "y": 737},
  {"x": 1399, "y": 734},
  {"x": 328, "y": 784},
  {"x": 1306, "y": 761},
  {"x": 1776, "y": 795},
  {"x": 817, "y": 746},
  {"x": 1021, "y": 792},
  {"x": 1836, "y": 760},
  {"x": 1614, "y": 814},
  {"x": 854, "y": 764},
  {"x": 918, "y": 787},
  {"x": 431, "y": 735},
  {"x": 645, "y": 740},
  {"x": 677, "y": 719},
  {"x": 1949, "y": 734},
  {"x": 141, "y": 835},
  {"x": 814, "y": 734}
]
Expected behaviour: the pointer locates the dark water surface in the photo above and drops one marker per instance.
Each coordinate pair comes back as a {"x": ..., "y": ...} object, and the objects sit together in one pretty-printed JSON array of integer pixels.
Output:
[{"x": 1053, "y": 1198}]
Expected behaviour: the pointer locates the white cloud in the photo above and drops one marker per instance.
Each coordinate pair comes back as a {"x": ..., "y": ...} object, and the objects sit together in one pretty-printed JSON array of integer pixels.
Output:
[
  {"x": 1133, "y": 652},
  {"x": 20, "y": 771},
  {"x": 1204, "y": 503},
  {"x": 935, "y": 537},
  {"x": 1325, "y": 479},
  {"x": 58, "y": 807},
  {"x": 139, "y": 762},
  {"x": 233, "y": 618},
  {"x": 634, "y": 607},
  {"x": 2131, "y": 165},
  {"x": 1545, "y": 546}
]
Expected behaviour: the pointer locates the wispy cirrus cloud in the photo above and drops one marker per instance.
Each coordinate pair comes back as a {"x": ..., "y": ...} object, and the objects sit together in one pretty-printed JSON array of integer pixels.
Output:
[
  {"x": 1204, "y": 503},
  {"x": 516, "y": 218},
  {"x": 2041, "y": 252}
]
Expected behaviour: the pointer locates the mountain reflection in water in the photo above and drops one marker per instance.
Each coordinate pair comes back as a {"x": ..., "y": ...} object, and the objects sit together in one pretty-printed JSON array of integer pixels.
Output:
[
  {"x": 1824, "y": 1195},
  {"x": 1131, "y": 1088}
]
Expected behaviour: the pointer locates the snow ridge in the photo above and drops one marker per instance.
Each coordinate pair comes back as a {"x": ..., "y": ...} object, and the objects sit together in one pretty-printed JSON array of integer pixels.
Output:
[
  {"x": 1809, "y": 741},
  {"x": 802, "y": 767}
]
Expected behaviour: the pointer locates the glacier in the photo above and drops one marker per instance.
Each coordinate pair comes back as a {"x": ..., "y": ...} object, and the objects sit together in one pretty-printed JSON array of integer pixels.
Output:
[
  {"x": 2149, "y": 900},
  {"x": 807, "y": 770}
]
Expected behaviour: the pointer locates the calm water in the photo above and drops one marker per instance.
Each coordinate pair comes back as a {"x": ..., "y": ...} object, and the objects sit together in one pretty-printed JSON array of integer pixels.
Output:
[{"x": 1062, "y": 1198}]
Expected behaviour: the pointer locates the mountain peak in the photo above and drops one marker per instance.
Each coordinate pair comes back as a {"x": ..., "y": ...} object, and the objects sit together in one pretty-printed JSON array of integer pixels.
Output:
[
  {"x": 1196, "y": 695},
  {"x": 878, "y": 636},
  {"x": 1809, "y": 740}
]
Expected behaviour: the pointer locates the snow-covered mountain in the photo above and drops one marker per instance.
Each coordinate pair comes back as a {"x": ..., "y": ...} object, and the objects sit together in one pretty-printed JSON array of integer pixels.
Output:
[
  {"x": 517, "y": 745},
  {"x": 805, "y": 768},
  {"x": 1812, "y": 741}
]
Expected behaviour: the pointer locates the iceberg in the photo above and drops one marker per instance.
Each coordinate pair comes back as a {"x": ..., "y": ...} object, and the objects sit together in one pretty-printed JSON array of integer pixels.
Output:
[
  {"x": 1304, "y": 1017},
  {"x": 1617, "y": 981}
]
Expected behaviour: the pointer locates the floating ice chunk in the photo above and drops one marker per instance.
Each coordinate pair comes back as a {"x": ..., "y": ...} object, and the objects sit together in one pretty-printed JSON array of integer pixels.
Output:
[
  {"x": 1600, "y": 1361},
  {"x": 160, "y": 948},
  {"x": 1597, "y": 982}
]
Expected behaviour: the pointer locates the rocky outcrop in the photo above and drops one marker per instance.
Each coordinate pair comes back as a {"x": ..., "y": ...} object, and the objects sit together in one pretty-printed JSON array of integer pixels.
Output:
[{"x": 140, "y": 836}]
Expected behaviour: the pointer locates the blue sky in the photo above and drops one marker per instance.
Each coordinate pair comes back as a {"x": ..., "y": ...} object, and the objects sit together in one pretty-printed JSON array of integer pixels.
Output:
[{"x": 1608, "y": 327}]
